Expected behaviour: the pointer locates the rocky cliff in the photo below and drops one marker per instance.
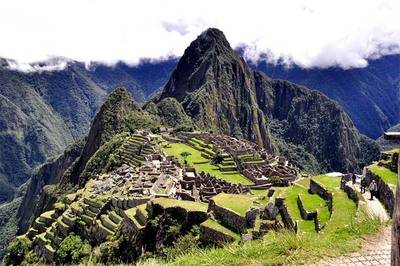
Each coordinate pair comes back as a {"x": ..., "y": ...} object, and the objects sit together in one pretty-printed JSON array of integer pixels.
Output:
[
  {"x": 216, "y": 88},
  {"x": 221, "y": 93}
]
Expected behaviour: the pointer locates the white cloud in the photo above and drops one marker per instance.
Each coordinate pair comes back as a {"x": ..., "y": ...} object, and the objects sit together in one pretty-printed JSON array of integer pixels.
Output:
[{"x": 311, "y": 33}]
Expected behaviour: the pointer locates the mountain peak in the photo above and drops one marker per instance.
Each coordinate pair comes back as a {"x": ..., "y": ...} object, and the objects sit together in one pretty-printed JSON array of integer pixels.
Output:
[
  {"x": 213, "y": 34},
  {"x": 209, "y": 39}
]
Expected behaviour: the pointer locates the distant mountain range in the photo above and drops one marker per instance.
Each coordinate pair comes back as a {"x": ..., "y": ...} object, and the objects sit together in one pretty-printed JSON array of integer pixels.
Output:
[
  {"x": 370, "y": 95},
  {"x": 43, "y": 112},
  {"x": 212, "y": 88}
]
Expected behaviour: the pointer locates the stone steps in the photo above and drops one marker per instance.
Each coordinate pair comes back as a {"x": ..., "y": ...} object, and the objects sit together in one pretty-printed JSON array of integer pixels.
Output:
[
  {"x": 32, "y": 232},
  {"x": 116, "y": 218},
  {"x": 106, "y": 221},
  {"x": 88, "y": 220},
  {"x": 39, "y": 226},
  {"x": 93, "y": 203},
  {"x": 104, "y": 230},
  {"x": 62, "y": 227},
  {"x": 68, "y": 219},
  {"x": 89, "y": 213}
]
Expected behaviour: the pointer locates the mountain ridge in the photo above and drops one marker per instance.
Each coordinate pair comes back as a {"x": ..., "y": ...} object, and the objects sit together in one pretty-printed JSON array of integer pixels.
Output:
[{"x": 220, "y": 92}]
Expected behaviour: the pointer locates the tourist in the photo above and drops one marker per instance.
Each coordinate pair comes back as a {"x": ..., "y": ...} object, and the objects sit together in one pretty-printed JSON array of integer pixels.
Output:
[
  {"x": 373, "y": 188},
  {"x": 363, "y": 184},
  {"x": 353, "y": 179}
]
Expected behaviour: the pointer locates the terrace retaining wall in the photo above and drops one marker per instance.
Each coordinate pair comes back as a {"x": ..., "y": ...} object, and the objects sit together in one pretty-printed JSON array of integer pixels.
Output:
[
  {"x": 316, "y": 188},
  {"x": 231, "y": 219},
  {"x": 385, "y": 193}
]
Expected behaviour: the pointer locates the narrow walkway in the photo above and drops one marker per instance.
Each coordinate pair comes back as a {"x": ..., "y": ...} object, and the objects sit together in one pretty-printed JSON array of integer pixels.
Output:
[
  {"x": 376, "y": 251},
  {"x": 375, "y": 208}
]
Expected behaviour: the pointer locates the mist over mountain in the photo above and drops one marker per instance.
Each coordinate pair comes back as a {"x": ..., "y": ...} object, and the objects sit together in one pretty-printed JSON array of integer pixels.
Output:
[{"x": 370, "y": 95}]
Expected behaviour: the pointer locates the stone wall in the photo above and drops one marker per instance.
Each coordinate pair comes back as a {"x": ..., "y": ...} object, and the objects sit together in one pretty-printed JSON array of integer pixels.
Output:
[
  {"x": 385, "y": 193},
  {"x": 349, "y": 190},
  {"x": 316, "y": 188},
  {"x": 305, "y": 214},
  {"x": 286, "y": 219},
  {"x": 211, "y": 236},
  {"x": 232, "y": 220}
]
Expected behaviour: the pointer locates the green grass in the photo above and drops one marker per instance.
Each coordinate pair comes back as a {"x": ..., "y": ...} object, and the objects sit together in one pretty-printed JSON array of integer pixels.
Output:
[
  {"x": 236, "y": 202},
  {"x": 290, "y": 195},
  {"x": 388, "y": 176},
  {"x": 284, "y": 248},
  {"x": 344, "y": 209},
  {"x": 188, "y": 205},
  {"x": 305, "y": 182},
  {"x": 175, "y": 149},
  {"x": 314, "y": 202},
  {"x": 344, "y": 233},
  {"x": 218, "y": 227}
]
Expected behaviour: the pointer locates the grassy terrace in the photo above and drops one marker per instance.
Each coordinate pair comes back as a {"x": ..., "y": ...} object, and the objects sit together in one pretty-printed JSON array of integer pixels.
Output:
[
  {"x": 188, "y": 205},
  {"x": 201, "y": 164},
  {"x": 237, "y": 203},
  {"x": 290, "y": 196},
  {"x": 218, "y": 227},
  {"x": 343, "y": 234},
  {"x": 388, "y": 176},
  {"x": 344, "y": 210}
]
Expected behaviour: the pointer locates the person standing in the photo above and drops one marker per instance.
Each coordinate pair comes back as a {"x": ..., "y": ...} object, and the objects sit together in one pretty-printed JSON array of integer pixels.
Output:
[
  {"x": 363, "y": 184},
  {"x": 373, "y": 188}
]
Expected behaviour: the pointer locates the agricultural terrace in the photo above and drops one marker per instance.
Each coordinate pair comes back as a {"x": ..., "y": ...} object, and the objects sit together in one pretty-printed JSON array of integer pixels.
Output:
[{"x": 197, "y": 160}]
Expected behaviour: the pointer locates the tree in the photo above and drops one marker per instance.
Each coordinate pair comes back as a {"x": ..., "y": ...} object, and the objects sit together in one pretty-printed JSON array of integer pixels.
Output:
[
  {"x": 217, "y": 159},
  {"x": 72, "y": 249},
  {"x": 185, "y": 154}
]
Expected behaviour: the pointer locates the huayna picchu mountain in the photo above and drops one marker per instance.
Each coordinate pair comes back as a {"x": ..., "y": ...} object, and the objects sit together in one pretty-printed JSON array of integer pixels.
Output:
[{"x": 221, "y": 93}]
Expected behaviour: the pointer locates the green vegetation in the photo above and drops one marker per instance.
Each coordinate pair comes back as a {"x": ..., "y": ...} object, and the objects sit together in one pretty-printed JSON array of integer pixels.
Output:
[
  {"x": 388, "y": 176},
  {"x": 210, "y": 223},
  {"x": 188, "y": 205},
  {"x": 290, "y": 195},
  {"x": 176, "y": 149},
  {"x": 344, "y": 209},
  {"x": 342, "y": 234},
  {"x": 105, "y": 156},
  {"x": 72, "y": 249},
  {"x": 236, "y": 202},
  {"x": 17, "y": 250},
  {"x": 285, "y": 248},
  {"x": 183, "y": 244}
]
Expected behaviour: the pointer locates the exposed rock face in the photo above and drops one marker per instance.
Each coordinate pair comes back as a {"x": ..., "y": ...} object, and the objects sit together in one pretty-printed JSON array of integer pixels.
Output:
[
  {"x": 370, "y": 95},
  {"x": 311, "y": 120},
  {"x": 47, "y": 174},
  {"x": 216, "y": 88},
  {"x": 221, "y": 93}
]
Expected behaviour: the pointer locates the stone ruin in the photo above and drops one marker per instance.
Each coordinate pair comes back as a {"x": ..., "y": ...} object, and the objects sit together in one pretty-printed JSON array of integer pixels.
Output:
[{"x": 202, "y": 186}]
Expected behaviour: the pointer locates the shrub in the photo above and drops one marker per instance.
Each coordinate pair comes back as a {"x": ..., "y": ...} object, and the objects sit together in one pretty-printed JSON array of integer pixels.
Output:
[
  {"x": 183, "y": 244},
  {"x": 17, "y": 250},
  {"x": 72, "y": 249}
]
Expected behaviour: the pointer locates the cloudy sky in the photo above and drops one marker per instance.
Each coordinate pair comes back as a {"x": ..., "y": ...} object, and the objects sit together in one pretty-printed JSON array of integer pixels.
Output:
[{"x": 310, "y": 33}]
